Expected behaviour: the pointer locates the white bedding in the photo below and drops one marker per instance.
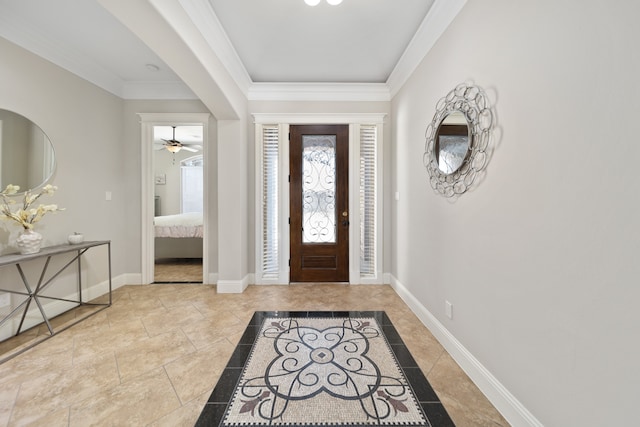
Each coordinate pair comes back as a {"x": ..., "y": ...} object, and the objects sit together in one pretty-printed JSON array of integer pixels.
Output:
[{"x": 179, "y": 226}]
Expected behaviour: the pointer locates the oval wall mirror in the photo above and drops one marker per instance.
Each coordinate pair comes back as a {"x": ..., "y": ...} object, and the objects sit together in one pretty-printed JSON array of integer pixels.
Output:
[
  {"x": 27, "y": 158},
  {"x": 452, "y": 142}
]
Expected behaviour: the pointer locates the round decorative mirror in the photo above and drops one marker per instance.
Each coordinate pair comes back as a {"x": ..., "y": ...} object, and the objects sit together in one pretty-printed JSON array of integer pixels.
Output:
[
  {"x": 457, "y": 140},
  {"x": 452, "y": 142},
  {"x": 27, "y": 158}
]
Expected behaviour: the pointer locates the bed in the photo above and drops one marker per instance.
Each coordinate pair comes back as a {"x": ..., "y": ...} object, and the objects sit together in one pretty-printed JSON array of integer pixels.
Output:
[{"x": 178, "y": 236}]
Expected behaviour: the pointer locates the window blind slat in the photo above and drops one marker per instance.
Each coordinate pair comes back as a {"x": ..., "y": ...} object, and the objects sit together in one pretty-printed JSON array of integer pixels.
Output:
[
  {"x": 368, "y": 194},
  {"x": 270, "y": 256}
]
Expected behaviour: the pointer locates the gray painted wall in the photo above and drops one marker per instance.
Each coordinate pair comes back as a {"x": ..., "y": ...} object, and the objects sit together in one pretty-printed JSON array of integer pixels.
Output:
[{"x": 540, "y": 260}]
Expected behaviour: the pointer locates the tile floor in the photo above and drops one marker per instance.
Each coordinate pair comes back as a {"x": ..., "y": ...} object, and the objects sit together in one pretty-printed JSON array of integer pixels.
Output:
[
  {"x": 185, "y": 270},
  {"x": 154, "y": 356}
]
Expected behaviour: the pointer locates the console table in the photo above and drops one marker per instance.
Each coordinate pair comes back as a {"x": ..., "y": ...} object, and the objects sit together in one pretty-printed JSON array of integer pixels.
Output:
[{"x": 35, "y": 293}]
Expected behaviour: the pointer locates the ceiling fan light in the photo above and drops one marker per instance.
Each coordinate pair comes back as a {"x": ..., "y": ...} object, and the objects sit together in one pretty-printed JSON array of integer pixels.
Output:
[
  {"x": 174, "y": 148},
  {"x": 312, "y": 2},
  {"x": 334, "y": 2}
]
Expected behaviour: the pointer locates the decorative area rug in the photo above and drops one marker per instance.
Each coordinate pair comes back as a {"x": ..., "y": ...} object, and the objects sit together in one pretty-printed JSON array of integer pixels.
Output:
[{"x": 322, "y": 369}]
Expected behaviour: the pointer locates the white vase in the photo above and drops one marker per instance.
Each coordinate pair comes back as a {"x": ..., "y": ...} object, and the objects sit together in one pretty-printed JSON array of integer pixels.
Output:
[
  {"x": 29, "y": 242},
  {"x": 75, "y": 238}
]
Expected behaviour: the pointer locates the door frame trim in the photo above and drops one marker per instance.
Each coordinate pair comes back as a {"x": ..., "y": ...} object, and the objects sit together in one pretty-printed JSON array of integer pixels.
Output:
[
  {"x": 147, "y": 123},
  {"x": 283, "y": 121}
]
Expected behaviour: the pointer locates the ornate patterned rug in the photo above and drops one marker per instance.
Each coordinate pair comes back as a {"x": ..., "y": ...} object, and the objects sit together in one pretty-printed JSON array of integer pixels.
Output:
[{"x": 322, "y": 369}]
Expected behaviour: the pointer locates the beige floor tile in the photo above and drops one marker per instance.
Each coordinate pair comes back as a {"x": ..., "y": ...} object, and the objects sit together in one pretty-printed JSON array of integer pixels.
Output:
[
  {"x": 466, "y": 404},
  {"x": 155, "y": 355},
  {"x": 8, "y": 395},
  {"x": 151, "y": 353},
  {"x": 186, "y": 415},
  {"x": 52, "y": 355},
  {"x": 58, "y": 418},
  {"x": 134, "y": 403},
  {"x": 130, "y": 309},
  {"x": 42, "y": 395},
  {"x": 178, "y": 270},
  {"x": 171, "y": 318},
  {"x": 207, "y": 333},
  {"x": 198, "y": 372},
  {"x": 125, "y": 335}
]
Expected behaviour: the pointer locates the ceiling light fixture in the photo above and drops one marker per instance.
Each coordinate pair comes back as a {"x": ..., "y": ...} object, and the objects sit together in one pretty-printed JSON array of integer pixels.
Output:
[{"x": 317, "y": 2}]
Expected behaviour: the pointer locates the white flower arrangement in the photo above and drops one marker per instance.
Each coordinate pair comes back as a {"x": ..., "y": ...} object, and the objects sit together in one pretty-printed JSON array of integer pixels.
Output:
[{"x": 26, "y": 216}]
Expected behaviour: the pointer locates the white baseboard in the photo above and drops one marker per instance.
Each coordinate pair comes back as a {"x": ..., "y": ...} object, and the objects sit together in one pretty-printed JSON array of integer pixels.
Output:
[
  {"x": 213, "y": 278},
  {"x": 233, "y": 286},
  {"x": 510, "y": 407},
  {"x": 127, "y": 279}
]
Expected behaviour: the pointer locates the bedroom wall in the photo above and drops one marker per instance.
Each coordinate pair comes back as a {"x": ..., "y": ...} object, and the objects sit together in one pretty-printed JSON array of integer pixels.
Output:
[
  {"x": 166, "y": 164},
  {"x": 84, "y": 124},
  {"x": 540, "y": 259}
]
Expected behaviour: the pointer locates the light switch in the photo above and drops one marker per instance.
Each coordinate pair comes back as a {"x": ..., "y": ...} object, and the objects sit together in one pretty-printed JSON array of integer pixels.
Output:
[
  {"x": 107, "y": 195},
  {"x": 448, "y": 309}
]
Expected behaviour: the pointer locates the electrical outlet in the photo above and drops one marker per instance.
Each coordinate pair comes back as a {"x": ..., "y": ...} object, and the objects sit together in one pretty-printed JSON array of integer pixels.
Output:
[
  {"x": 448, "y": 309},
  {"x": 5, "y": 300}
]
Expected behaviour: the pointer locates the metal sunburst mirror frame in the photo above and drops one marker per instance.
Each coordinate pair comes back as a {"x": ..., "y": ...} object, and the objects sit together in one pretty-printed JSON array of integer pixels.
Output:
[{"x": 473, "y": 103}]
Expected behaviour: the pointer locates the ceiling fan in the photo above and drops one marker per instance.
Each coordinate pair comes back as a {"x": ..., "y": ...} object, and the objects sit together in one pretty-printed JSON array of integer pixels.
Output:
[{"x": 174, "y": 146}]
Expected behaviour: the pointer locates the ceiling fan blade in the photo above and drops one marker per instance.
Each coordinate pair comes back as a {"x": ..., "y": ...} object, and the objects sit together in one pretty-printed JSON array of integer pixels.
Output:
[
  {"x": 171, "y": 142},
  {"x": 190, "y": 148}
]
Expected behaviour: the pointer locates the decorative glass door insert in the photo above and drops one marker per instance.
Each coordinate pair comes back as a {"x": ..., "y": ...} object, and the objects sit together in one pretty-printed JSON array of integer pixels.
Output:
[{"x": 319, "y": 188}]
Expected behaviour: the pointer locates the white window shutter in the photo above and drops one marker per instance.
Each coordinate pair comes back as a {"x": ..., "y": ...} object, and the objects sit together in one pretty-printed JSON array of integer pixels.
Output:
[
  {"x": 368, "y": 202},
  {"x": 270, "y": 216}
]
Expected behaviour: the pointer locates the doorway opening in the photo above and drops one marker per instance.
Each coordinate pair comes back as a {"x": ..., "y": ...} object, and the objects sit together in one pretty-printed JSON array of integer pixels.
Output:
[
  {"x": 174, "y": 209},
  {"x": 178, "y": 203}
]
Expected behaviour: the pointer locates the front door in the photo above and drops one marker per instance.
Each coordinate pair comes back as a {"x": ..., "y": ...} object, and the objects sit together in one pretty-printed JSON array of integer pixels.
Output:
[{"x": 319, "y": 203}]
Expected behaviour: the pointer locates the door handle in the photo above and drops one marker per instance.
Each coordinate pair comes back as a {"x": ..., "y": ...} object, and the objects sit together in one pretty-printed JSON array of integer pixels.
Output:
[{"x": 345, "y": 221}]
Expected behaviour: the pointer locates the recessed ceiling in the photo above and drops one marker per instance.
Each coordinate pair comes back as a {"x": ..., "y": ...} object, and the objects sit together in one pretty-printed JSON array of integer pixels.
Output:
[
  {"x": 357, "y": 41},
  {"x": 270, "y": 41}
]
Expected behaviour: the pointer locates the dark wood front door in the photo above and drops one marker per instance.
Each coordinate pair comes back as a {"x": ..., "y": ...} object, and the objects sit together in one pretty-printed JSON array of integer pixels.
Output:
[{"x": 319, "y": 203}]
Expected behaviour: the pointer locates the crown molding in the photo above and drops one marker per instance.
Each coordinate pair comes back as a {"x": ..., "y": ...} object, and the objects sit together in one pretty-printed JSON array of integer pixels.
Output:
[
  {"x": 319, "y": 118},
  {"x": 370, "y": 92},
  {"x": 172, "y": 118},
  {"x": 440, "y": 16}
]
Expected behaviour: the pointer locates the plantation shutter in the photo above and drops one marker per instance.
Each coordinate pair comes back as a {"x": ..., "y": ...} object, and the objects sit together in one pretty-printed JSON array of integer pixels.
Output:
[
  {"x": 368, "y": 166},
  {"x": 270, "y": 232}
]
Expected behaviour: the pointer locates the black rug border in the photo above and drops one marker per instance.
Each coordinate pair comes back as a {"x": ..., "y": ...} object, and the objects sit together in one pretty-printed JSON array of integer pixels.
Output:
[{"x": 214, "y": 410}]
